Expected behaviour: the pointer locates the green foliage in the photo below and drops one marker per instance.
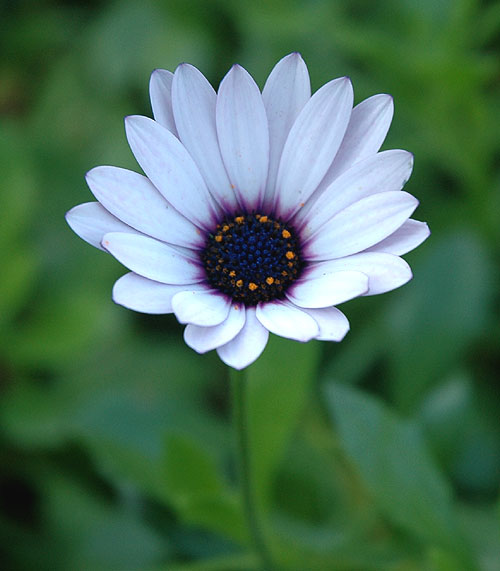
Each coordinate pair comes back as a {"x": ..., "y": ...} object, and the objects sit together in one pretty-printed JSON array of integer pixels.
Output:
[
  {"x": 380, "y": 453},
  {"x": 394, "y": 464},
  {"x": 279, "y": 387}
]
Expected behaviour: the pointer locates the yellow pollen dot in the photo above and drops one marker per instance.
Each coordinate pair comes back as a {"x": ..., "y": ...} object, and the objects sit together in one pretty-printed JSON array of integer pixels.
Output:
[
  {"x": 290, "y": 264},
  {"x": 239, "y": 219},
  {"x": 286, "y": 234},
  {"x": 225, "y": 228},
  {"x": 270, "y": 280},
  {"x": 290, "y": 255},
  {"x": 232, "y": 273},
  {"x": 257, "y": 216},
  {"x": 263, "y": 219},
  {"x": 218, "y": 238},
  {"x": 239, "y": 283},
  {"x": 252, "y": 286},
  {"x": 284, "y": 273},
  {"x": 277, "y": 282}
]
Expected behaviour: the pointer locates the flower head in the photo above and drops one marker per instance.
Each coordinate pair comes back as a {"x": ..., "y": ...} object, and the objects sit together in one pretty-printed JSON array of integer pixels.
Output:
[{"x": 259, "y": 212}]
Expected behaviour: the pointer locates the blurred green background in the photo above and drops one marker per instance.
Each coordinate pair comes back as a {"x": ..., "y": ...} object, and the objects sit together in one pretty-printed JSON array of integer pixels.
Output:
[{"x": 379, "y": 453}]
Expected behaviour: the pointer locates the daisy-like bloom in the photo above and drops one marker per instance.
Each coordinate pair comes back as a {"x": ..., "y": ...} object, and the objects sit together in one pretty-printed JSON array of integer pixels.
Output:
[{"x": 259, "y": 212}]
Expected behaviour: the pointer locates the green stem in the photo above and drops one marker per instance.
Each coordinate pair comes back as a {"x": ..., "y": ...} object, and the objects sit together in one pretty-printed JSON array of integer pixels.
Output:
[{"x": 244, "y": 461}]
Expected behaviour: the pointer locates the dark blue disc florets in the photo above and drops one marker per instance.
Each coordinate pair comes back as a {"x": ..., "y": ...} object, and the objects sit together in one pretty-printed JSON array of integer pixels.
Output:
[{"x": 252, "y": 258}]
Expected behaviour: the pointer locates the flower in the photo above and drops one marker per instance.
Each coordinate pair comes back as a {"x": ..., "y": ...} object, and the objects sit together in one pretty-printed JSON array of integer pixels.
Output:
[{"x": 259, "y": 212}]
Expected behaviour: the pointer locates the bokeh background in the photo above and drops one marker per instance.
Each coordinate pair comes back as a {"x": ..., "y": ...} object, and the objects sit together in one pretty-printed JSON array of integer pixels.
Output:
[{"x": 379, "y": 453}]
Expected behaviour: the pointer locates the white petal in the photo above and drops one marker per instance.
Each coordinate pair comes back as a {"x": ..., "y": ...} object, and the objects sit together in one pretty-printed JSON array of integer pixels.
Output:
[
  {"x": 170, "y": 168},
  {"x": 147, "y": 296},
  {"x": 91, "y": 221},
  {"x": 383, "y": 172},
  {"x": 360, "y": 225},
  {"x": 311, "y": 145},
  {"x": 243, "y": 136},
  {"x": 194, "y": 102},
  {"x": 287, "y": 320},
  {"x": 327, "y": 288},
  {"x": 132, "y": 198},
  {"x": 333, "y": 324},
  {"x": 203, "y": 339},
  {"x": 367, "y": 129},
  {"x": 248, "y": 345},
  {"x": 203, "y": 308},
  {"x": 285, "y": 93},
  {"x": 410, "y": 235},
  {"x": 152, "y": 259},
  {"x": 385, "y": 271},
  {"x": 160, "y": 93}
]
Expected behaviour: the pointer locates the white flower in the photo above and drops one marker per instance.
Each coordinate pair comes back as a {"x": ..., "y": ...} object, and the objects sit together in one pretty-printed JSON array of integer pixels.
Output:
[{"x": 259, "y": 212}]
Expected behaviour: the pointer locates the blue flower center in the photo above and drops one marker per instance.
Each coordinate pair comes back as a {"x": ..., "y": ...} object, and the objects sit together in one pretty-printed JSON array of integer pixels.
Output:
[{"x": 252, "y": 258}]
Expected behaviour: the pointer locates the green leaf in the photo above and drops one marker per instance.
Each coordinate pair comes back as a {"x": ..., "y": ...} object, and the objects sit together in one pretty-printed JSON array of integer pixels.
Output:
[
  {"x": 481, "y": 524},
  {"x": 195, "y": 486},
  {"x": 245, "y": 562},
  {"x": 129, "y": 397},
  {"x": 116, "y": 59},
  {"x": 447, "y": 306},
  {"x": 278, "y": 386},
  {"x": 60, "y": 328},
  {"x": 21, "y": 269},
  {"x": 97, "y": 534},
  {"x": 34, "y": 416},
  {"x": 220, "y": 513},
  {"x": 440, "y": 560},
  {"x": 394, "y": 464},
  {"x": 189, "y": 471}
]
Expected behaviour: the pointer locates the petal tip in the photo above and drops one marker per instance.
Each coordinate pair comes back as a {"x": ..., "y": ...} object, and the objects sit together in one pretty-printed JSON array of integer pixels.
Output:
[
  {"x": 386, "y": 103},
  {"x": 344, "y": 84},
  {"x": 342, "y": 337},
  {"x": 128, "y": 121},
  {"x": 105, "y": 244},
  {"x": 366, "y": 286},
  {"x": 387, "y": 98},
  {"x": 427, "y": 231},
  {"x": 90, "y": 174},
  {"x": 115, "y": 296},
  {"x": 132, "y": 121},
  {"x": 345, "y": 81},
  {"x": 238, "y": 367},
  {"x": 68, "y": 214},
  {"x": 182, "y": 67},
  {"x": 237, "y": 70}
]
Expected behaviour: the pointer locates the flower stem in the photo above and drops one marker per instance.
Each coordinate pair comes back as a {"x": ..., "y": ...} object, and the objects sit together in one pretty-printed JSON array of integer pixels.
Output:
[{"x": 245, "y": 468}]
